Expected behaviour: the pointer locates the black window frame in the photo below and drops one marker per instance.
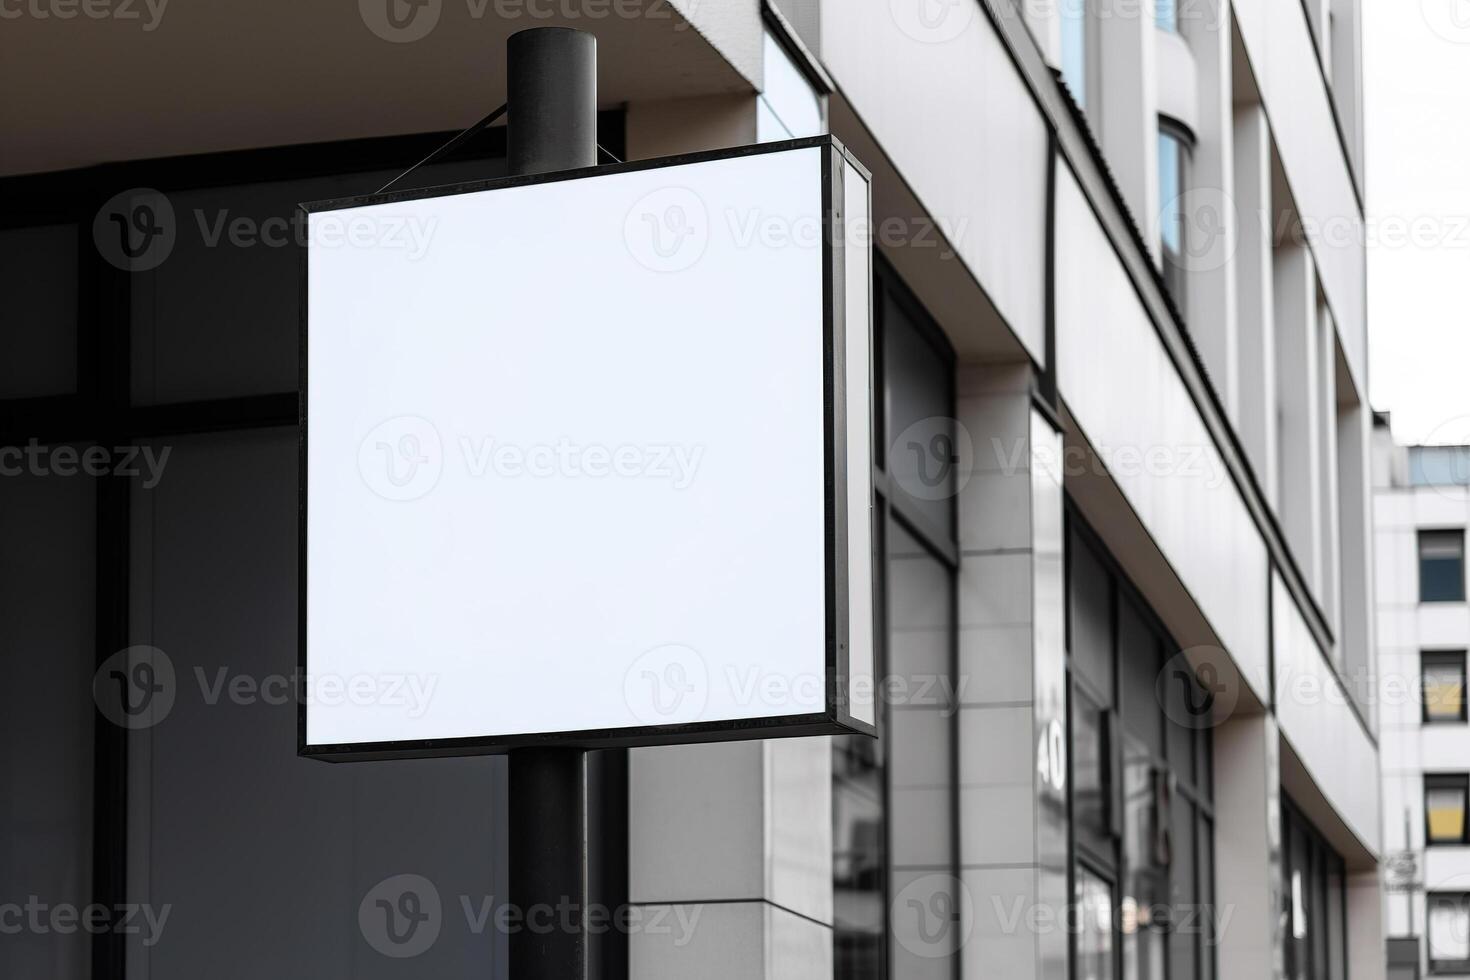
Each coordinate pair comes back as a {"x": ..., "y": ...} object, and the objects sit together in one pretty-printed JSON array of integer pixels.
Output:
[
  {"x": 1184, "y": 780},
  {"x": 1171, "y": 263},
  {"x": 1456, "y": 658},
  {"x": 102, "y": 407},
  {"x": 1448, "y": 781},
  {"x": 1322, "y": 861},
  {"x": 1432, "y": 899},
  {"x": 892, "y": 508},
  {"x": 1425, "y": 535}
]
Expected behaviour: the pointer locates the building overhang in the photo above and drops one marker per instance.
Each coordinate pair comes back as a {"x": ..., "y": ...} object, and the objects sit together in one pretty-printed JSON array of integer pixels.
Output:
[{"x": 189, "y": 78}]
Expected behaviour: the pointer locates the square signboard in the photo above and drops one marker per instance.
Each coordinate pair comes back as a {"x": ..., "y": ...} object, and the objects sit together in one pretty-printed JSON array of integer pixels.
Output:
[{"x": 585, "y": 458}]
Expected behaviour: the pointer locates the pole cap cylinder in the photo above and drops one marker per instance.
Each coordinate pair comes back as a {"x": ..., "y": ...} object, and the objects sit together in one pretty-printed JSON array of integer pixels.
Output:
[{"x": 551, "y": 86}]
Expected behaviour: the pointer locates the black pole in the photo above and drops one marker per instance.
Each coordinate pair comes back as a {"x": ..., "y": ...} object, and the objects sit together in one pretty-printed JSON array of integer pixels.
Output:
[
  {"x": 566, "y": 805},
  {"x": 552, "y": 93}
]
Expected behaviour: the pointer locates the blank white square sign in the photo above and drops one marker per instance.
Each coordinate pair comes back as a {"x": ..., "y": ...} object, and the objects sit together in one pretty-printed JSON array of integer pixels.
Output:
[{"x": 566, "y": 460}]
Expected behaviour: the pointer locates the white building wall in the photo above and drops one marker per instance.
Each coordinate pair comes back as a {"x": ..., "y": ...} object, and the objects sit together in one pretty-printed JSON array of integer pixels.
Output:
[
  {"x": 1406, "y": 628},
  {"x": 1280, "y": 46},
  {"x": 961, "y": 122},
  {"x": 1163, "y": 459},
  {"x": 945, "y": 103}
]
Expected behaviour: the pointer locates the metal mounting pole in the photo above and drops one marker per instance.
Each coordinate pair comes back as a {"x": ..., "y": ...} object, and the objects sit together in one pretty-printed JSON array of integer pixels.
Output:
[
  {"x": 567, "y": 806},
  {"x": 552, "y": 93}
]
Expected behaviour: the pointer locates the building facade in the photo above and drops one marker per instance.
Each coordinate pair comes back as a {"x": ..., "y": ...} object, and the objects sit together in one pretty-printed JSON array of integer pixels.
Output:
[
  {"x": 1421, "y": 502},
  {"x": 1122, "y": 519}
]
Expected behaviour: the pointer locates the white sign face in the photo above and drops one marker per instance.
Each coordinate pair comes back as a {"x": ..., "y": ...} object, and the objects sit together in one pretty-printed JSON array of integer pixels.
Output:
[{"x": 588, "y": 457}]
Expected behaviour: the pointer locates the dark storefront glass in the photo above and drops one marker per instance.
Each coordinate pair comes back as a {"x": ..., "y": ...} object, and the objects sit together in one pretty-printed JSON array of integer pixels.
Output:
[
  {"x": 1094, "y": 898},
  {"x": 1155, "y": 850},
  {"x": 199, "y": 806},
  {"x": 893, "y": 798},
  {"x": 1316, "y": 901}
]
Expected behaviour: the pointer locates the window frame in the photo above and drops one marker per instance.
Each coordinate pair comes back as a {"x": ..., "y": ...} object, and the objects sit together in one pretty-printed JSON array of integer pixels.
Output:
[
  {"x": 1426, "y": 533},
  {"x": 1321, "y": 861},
  {"x": 1091, "y": 76},
  {"x": 1460, "y": 900},
  {"x": 892, "y": 509},
  {"x": 1172, "y": 263},
  {"x": 1169, "y": 777},
  {"x": 102, "y": 406},
  {"x": 1109, "y": 878},
  {"x": 1440, "y": 657},
  {"x": 1447, "y": 781}
]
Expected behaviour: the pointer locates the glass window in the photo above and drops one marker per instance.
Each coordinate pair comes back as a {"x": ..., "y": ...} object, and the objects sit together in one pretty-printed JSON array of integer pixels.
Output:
[
  {"x": 1091, "y": 809},
  {"x": 1439, "y": 466},
  {"x": 1335, "y": 910},
  {"x": 1206, "y": 899},
  {"x": 923, "y": 457},
  {"x": 1449, "y": 933},
  {"x": 1298, "y": 875},
  {"x": 920, "y": 732},
  {"x": 1173, "y": 152},
  {"x": 1166, "y": 15},
  {"x": 857, "y": 856},
  {"x": 1094, "y": 927},
  {"x": 38, "y": 347},
  {"x": 1316, "y": 940},
  {"x": 1184, "y": 924},
  {"x": 1145, "y": 864},
  {"x": 1074, "y": 48},
  {"x": 1444, "y": 809},
  {"x": 789, "y": 106},
  {"x": 1185, "y": 699},
  {"x": 1444, "y": 686},
  {"x": 1142, "y": 820},
  {"x": 1138, "y": 666},
  {"x": 892, "y": 798},
  {"x": 1442, "y": 566},
  {"x": 1090, "y": 599}
]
